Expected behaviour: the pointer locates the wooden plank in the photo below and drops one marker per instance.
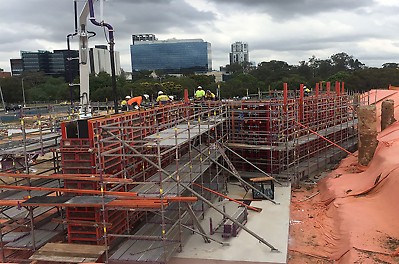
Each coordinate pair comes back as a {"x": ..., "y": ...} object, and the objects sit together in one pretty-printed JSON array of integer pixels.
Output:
[
  {"x": 261, "y": 179},
  {"x": 74, "y": 248},
  {"x": 69, "y": 253},
  {"x": 52, "y": 258}
]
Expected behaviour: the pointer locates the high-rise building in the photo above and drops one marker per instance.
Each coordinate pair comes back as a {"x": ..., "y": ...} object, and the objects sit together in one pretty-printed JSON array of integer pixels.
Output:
[
  {"x": 52, "y": 63},
  {"x": 100, "y": 60},
  {"x": 35, "y": 60},
  {"x": 57, "y": 63},
  {"x": 61, "y": 65},
  {"x": 239, "y": 52},
  {"x": 17, "y": 66},
  {"x": 170, "y": 56}
]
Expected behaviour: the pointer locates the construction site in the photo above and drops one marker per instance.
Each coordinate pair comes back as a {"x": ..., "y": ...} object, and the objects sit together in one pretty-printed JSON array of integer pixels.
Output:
[
  {"x": 134, "y": 187},
  {"x": 285, "y": 177}
]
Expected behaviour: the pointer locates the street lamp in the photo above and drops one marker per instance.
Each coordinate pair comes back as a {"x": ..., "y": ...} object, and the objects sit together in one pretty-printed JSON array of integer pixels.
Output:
[{"x": 23, "y": 91}]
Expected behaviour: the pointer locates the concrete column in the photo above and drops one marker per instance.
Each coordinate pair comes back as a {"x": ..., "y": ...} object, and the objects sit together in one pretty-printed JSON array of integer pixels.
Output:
[
  {"x": 367, "y": 133},
  {"x": 387, "y": 113}
]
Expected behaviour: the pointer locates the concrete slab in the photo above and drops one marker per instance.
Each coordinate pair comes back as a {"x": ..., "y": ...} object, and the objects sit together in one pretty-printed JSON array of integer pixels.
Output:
[{"x": 272, "y": 224}]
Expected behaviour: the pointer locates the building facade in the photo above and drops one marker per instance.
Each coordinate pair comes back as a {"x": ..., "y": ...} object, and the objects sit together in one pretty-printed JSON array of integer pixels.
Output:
[
  {"x": 239, "y": 52},
  {"x": 64, "y": 63},
  {"x": 17, "y": 66},
  {"x": 54, "y": 63},
  {"x": 170, "y": 56},
  {"x": 100, "y": 60}
]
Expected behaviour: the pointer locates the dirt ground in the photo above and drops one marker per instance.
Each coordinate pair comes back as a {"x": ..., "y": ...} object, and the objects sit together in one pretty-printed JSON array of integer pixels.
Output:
[
  {"x": 306, "y": 241},
  {"x": 313, "y": 238}
]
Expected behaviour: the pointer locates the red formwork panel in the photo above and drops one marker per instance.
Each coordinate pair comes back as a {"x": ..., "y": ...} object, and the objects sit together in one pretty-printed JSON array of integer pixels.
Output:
[
  {"x": 274, "y": 122},
  {"x": 76, "y": 157},
  {"x": 81, "y": 156}
]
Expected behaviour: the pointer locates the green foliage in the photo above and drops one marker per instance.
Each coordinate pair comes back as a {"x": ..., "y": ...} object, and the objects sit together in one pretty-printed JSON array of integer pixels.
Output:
[
  {"x": 390, "y": 65},
  {"x": 51, "y": 90},
  {"x": 266, "y": 76},
  {"x": 372, "y": 78},
  {"x": 341, "y": 76}
]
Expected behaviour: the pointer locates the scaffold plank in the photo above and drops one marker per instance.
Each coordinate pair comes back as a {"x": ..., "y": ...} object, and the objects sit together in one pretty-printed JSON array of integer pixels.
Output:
[
  {"x": 58, "y": 252},
  {"x": 172, "y": 137}
]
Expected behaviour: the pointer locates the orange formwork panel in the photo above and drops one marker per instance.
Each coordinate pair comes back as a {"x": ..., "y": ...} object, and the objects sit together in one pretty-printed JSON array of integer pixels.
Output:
[{"x": 82, "y": 148}]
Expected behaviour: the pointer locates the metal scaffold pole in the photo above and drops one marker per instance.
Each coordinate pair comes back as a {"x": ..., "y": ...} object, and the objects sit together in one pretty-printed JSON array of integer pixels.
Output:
[{"x": 199, "y": 196}]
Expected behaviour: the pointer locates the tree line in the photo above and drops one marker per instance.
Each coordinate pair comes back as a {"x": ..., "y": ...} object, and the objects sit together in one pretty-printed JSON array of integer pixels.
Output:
[{"x": 242, "y": 78}]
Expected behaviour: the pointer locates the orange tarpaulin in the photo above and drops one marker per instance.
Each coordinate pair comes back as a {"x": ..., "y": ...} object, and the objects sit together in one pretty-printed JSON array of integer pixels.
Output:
[{"x": 355, "y": 219}]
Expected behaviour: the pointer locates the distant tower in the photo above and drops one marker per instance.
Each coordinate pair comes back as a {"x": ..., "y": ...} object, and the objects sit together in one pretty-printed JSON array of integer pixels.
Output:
[{"x": 239, "y": 52}]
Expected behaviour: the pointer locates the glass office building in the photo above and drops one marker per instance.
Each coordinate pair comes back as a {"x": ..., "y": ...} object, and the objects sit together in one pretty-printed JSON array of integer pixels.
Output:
[
  {"x": 52, "y": 63},
  {"x": 170, "y": 56}
]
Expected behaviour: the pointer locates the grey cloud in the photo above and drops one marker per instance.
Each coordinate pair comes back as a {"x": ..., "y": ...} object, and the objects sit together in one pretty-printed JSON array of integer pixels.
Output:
[
  {"x": 161, "y": 17},
  {"x": 25, "y": 24},
  {"x": 281, "y": 10}
]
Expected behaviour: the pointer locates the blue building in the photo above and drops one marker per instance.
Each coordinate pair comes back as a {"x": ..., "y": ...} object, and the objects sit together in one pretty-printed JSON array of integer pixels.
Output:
[{"x": 170, "y": 56}]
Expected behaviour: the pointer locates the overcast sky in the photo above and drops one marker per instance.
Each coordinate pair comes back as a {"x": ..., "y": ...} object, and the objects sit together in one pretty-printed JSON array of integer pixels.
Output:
[{"x": 287, "y": 30}]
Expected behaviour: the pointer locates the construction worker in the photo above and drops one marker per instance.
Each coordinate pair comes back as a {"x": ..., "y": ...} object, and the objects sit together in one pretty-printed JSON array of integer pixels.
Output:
[
  {"x": 162, "y": 98},
  {"x": 209, "y": 95},
  {"x": 124, "y": 103},
  {"x": 306, "y": 90},
  {"x": 200, "y": 93},
  {"x": 135, "y": 102}
]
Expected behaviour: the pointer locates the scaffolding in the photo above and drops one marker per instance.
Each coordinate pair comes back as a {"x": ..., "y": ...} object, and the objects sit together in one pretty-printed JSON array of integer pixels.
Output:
[
  {"x": 290, "y": 137},
  {"x": 27, "y": 150},
  {"x": 134, "y": 186}
]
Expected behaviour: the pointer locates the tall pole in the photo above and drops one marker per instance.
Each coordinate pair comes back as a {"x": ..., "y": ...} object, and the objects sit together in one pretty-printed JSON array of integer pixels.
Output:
[
  {"x": 2, "y": 98},
  {"x": 113, "y": 75},
  {"x": 23, "y": 91}
]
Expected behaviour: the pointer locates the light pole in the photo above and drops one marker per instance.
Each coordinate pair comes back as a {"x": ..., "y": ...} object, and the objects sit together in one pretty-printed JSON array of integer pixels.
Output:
[
  {"x": 23, "y": 91},
  {"x": 2, "y": 98}
]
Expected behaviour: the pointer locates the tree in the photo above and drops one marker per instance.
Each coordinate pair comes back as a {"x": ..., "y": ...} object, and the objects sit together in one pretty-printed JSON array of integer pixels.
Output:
[
  {"x": 391, "y": 65},
  {"x": 371, "y": 78},
  {"x": 272, "y": 71},
  {"x": 339, "y": 76},
  {"x": 342, "y": 62}
]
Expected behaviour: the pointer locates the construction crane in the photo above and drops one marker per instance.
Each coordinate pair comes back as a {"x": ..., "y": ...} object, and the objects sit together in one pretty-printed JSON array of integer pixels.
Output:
[{"x": 88, "y": 11}]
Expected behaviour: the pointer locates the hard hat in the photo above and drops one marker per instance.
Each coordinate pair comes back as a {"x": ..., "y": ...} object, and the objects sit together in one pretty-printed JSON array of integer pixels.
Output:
[
  {"x": 146, "y": 96},
  {"x": 208, "y": 91},
  {"x": 199, "y": 87},
  {"x": 128, "y": 97},
  {"x": 171, "y": 97},
  {"x": 160, "y": 92}
]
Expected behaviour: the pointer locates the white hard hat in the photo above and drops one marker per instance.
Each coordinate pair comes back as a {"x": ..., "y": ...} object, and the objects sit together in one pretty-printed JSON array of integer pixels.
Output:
[
  {"x": 128, "y": 97},
  {"x": 160, "y": 92},
  {"x": 199, "y": 87},
  {"x": 146, "y": 96}
]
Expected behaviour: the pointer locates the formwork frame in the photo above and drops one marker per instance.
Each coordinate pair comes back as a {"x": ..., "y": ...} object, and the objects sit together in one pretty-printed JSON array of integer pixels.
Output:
[
  {"x": 18, "y": 158},
  {"x": 285, "y": 143},
  {"x": 123, "y": 152},
  {"x": 173, "y": 147}
]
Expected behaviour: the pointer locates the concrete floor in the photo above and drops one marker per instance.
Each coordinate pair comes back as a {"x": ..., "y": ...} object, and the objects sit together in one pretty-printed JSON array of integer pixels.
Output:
[{"x": 271, "y": 224}]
